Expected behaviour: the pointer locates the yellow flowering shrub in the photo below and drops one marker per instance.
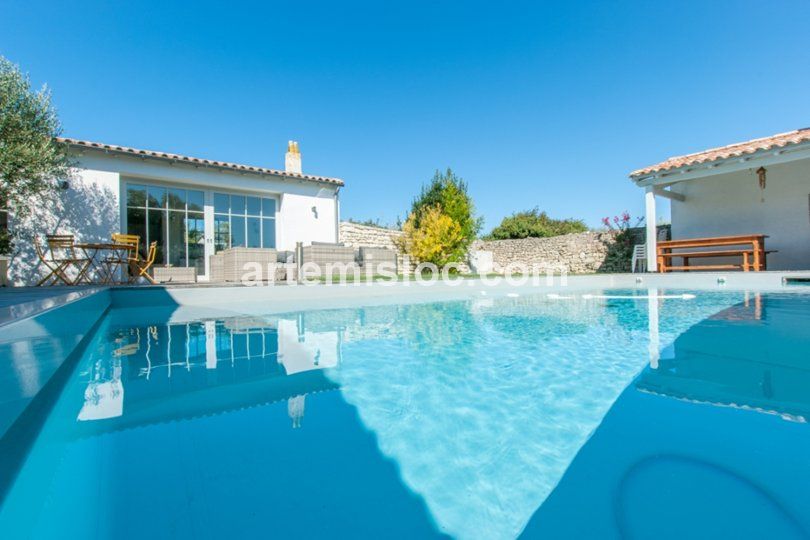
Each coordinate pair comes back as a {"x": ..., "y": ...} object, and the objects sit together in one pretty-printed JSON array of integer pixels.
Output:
[{"x": 435, "y": 239}]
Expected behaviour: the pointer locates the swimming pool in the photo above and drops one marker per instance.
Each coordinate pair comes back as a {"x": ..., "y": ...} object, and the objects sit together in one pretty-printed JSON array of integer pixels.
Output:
[{"x": 602, "y": 413}]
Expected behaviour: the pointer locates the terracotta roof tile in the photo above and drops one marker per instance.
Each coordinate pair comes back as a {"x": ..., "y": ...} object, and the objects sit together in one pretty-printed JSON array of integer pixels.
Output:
[
  {"x": 196, "y": 161},
  {"x": 724, "y": 152}
]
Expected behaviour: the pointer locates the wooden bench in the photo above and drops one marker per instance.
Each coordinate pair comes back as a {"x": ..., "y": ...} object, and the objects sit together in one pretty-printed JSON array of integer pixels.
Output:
[{"x": 750, "y": 248}]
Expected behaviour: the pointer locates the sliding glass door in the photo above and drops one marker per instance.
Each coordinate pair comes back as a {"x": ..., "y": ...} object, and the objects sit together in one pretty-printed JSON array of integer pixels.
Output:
[
  {"x": 172, "y": 217},
  {"x": 175, "y": 218}
]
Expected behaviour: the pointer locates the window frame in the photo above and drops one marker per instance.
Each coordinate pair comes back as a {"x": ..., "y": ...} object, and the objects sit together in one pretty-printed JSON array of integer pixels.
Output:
[
  {"x": 207, "y": 212},
  {"x": 246, "y": 216},
  {"x": 165, "y": 208}
]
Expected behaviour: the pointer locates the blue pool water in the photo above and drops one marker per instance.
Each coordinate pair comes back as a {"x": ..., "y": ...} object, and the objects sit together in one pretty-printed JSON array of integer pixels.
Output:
[{"x": 611, "y": 415}]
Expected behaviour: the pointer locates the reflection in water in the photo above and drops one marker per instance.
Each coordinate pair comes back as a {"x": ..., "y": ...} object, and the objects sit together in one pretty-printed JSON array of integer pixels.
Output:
[
  {"x": 752, "y": 355},
  {"x": 137, "y": 369},
  {"x": 295, "y": 408},
  {"x": 686, "y": 450}
]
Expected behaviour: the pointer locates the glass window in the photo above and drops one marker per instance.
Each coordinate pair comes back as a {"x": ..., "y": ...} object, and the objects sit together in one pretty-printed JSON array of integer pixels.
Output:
[
  {"x": 268, "y": 233},
  {"x": 238, "y": 204},
  {"x": 156, "y": 232},
  {"x": 136, "y": 223},
  {"x": 195, "y": 231},
  {"x": 136, "y": 196},
  {"x": 254, "y": 206},
  {"x": 173, "y": 217},
  {"x": 177, "y": 199},
  {"x": 254, "y": 232},
  {"x": 222, "y": 204},
  {"x": 222, "y": 233},
  {"x": 237, "y": 231},
  {"x": 177, "y": 238},
  {"x": 269, "y": 207},
  {"x": 156, "y": 197},
  {"x": 195, "y": 200}
]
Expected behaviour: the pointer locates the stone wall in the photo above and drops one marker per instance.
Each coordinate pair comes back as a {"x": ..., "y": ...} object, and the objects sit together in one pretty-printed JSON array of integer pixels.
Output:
[
  {"x": 578, "y": 253},
  {"x": 356, "y": 235}
]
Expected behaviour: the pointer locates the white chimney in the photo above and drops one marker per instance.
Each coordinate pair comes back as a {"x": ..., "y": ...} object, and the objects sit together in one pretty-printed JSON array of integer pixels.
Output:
[{"x": 292, "y": 160}]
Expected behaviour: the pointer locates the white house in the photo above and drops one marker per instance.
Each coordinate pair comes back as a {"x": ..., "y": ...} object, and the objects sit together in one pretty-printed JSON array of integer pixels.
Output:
[
  {"x": 755, "y": 187},
  {"x": 192, "y": 207}
]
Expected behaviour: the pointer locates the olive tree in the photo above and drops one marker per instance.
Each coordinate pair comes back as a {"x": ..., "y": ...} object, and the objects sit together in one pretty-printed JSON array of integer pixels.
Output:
[{"x": 32, "y": 162}]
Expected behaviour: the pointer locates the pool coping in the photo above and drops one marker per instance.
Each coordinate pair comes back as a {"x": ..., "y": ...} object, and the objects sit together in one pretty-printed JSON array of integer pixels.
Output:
[
  {"x": 17, "y": 311},
  {"x": 270, "y": 298},
  {"x": 20, "y": 435},
  {"x": 323, "y": 295}
]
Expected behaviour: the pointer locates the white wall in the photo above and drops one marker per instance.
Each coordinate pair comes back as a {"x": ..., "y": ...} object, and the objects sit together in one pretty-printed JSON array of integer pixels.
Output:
[
  {"x": 88, "y": 209},
  {"x": 317, "y": 350},
  {"x": 298, "y": 222},
  {"x": 730, "y": 204}
]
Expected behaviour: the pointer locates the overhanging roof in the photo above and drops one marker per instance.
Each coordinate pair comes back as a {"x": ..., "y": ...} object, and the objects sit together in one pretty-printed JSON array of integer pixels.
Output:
[
  {"x": 712, "y": 155},
  {"x": 78, "y": 144}
]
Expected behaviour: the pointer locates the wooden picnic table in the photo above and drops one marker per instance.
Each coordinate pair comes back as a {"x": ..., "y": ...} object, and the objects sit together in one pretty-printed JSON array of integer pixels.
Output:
[
  {"x": 99, "y": 265},
  {"x": 750, "y": 248}
]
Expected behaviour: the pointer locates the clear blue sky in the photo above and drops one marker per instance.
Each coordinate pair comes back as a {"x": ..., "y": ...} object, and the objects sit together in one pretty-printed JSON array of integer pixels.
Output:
[{"x": 546, "y": 104}]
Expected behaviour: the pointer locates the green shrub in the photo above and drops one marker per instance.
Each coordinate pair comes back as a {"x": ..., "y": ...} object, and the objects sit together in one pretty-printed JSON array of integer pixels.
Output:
[
  {"x": 445, "y": 195},
  {"x": 535, "y": 224},
  {"x": 435, "y": 240},
  {"x": 449, "y": 193}
]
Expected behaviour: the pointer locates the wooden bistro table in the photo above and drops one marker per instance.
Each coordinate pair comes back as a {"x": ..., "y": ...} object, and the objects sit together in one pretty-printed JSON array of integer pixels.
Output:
[
  {"x": 750, "y": 248},
  {"x": 99, "y": 257}
]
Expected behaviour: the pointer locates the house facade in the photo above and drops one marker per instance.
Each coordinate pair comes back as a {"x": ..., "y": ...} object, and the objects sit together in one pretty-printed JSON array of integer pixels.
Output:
[
  {"x": 760, "y": 186},
  {"x": 192, "y": 207}
]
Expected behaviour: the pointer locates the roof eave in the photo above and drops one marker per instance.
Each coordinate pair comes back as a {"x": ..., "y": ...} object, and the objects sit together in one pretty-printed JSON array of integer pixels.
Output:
[
  {"x": 197, "y": 162},
  {"x": 699, "y": 169}
]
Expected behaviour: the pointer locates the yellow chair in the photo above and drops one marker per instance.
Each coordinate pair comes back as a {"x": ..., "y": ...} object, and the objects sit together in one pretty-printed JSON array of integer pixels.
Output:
[
  {"x": 140, "y": 268},
  {"x": 133, "y": 241}
]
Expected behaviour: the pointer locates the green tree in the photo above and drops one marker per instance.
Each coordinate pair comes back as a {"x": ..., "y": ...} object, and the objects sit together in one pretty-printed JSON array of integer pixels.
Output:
[
  {"x": 448, "y": 193},
  {"x": 31, "y": 161},
  {"x": 435, "y": 239},
  {"x": 535, "y": 224}
]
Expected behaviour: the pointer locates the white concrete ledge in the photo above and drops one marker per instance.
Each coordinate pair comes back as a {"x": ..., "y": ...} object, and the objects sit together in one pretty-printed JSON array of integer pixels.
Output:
[
  {"x": 222, "y": 301},
  {"x": 18, "y": 303}
]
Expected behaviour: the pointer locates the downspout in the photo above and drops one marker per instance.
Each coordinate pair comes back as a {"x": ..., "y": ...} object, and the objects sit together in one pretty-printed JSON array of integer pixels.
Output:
[{"x": 337, "y": 215}]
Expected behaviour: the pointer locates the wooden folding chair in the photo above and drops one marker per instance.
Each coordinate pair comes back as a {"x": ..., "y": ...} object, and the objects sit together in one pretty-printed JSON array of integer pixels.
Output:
[
  {"x": 63, "y": 253},
  {"x": 55, "y": 268},
  {"x": 140, "y": 268}
]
